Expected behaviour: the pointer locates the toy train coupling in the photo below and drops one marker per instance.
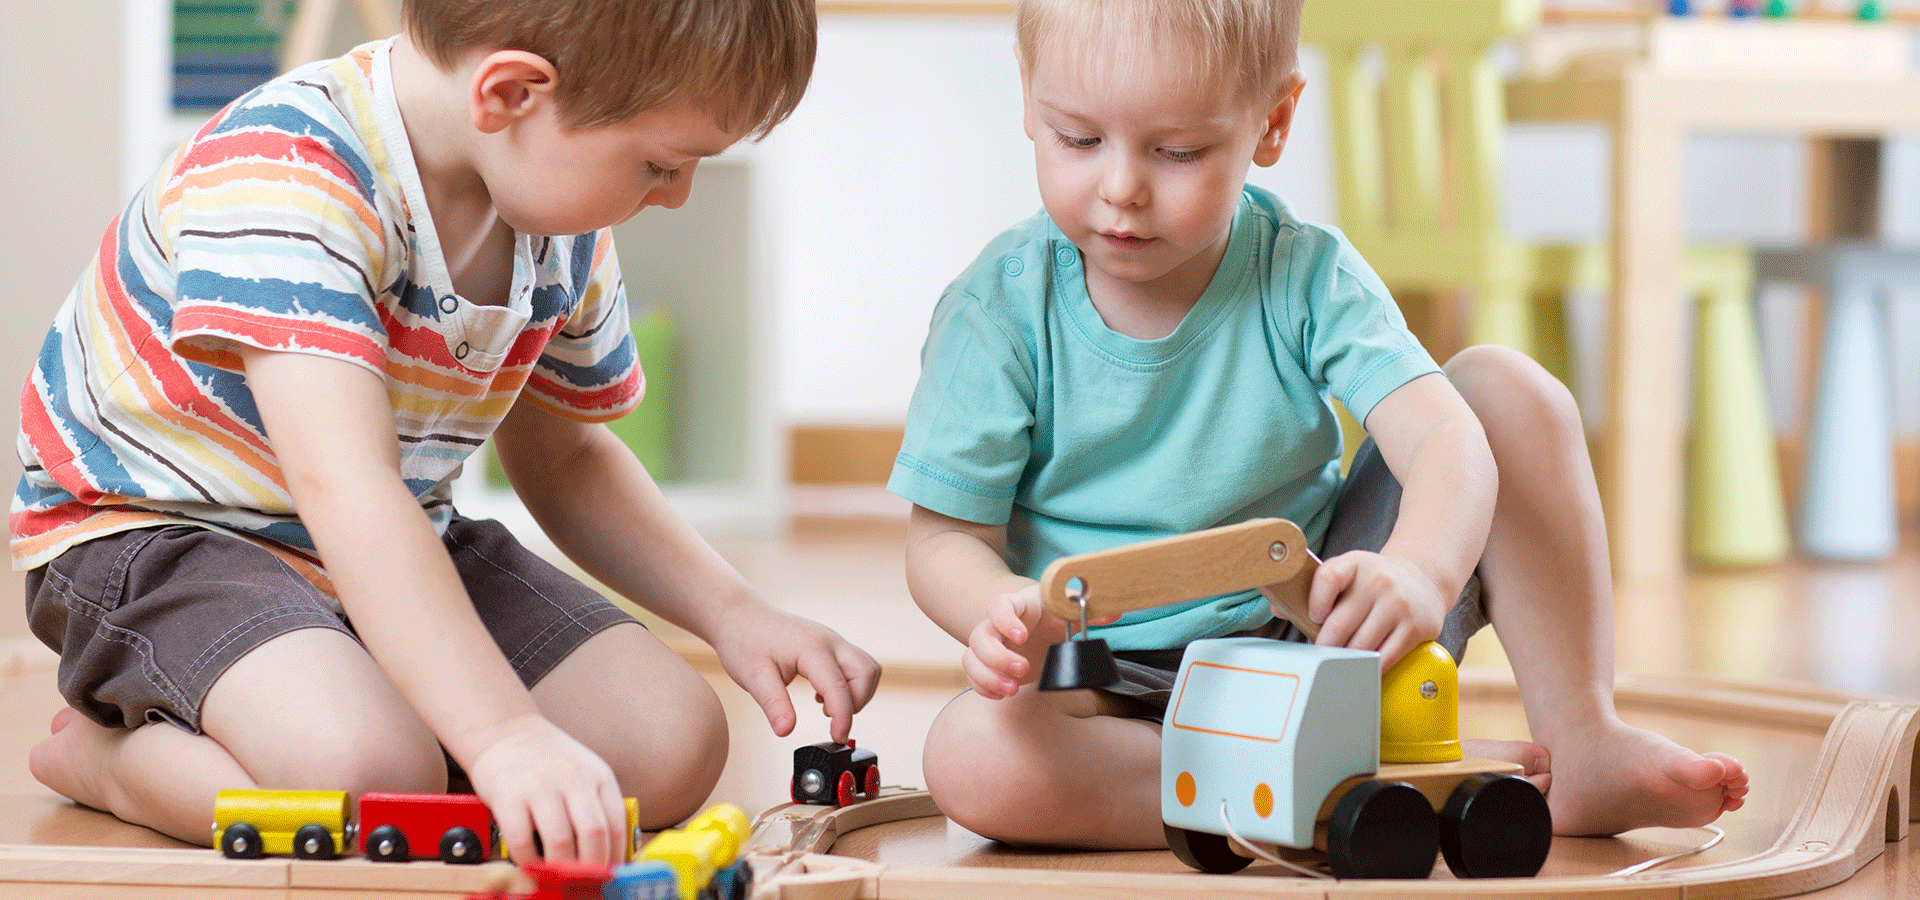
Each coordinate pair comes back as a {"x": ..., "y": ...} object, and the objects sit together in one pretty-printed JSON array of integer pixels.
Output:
[{"x": 1078, "y": 663}]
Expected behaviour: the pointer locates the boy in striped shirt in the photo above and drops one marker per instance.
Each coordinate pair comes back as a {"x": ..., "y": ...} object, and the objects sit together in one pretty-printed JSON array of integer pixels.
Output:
[{"x": 240, "y": 434}]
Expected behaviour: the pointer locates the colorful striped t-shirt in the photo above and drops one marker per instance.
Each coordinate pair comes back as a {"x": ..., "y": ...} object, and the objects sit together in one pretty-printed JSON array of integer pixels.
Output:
[{"x": 293, "y": 221}]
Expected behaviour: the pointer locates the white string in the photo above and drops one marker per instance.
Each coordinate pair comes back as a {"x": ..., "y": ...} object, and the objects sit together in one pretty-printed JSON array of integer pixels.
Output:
[
  {"x": 1258, "y": 853},
  {"x": 1637, "y": 868}
]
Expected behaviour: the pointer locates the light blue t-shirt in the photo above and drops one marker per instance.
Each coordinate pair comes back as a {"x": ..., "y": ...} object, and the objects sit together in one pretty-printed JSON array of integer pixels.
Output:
[{"x": 1031, "y": 413}]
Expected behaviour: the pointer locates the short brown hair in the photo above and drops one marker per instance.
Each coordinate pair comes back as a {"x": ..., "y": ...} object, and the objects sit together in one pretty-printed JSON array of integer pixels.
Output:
[
  {"x": 1247, "y": 47},
  {"x": 746, "y": 62}
]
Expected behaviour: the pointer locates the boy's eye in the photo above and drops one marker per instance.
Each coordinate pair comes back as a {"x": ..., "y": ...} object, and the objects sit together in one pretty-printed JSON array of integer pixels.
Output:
[
  {"x": 1076, "y": 143},
  {"x": 1183, "y": 156},
  {"x": 669, "y": 175}
]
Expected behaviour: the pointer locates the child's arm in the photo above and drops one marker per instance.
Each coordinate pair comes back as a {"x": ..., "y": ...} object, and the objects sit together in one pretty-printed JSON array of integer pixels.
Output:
[
  {"x": 959, "y": 578},
  {"x": 332, "y": 430},
  {"x": 1392, "y": 600},
  {"x": 601, "y": 508}
]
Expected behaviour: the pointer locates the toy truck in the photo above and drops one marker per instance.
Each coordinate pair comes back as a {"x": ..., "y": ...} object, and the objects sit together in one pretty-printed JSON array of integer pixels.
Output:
[{"x": 1282, "y": 744}]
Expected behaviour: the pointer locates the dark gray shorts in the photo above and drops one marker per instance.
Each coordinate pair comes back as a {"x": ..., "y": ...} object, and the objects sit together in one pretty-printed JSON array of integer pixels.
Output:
[
  {"x": 145, "y": 621},
  {"x": 1363, "y": 517}
]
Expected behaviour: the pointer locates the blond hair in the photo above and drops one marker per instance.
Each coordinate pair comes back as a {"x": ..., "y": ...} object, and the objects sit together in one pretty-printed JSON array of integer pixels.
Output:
[
  {"x": 1247, "y": 47},
  {"x": 746, "y": 62}
]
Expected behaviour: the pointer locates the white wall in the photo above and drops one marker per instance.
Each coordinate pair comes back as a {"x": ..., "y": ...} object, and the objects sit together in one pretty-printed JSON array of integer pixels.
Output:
[{"x": 907, "y": 155}]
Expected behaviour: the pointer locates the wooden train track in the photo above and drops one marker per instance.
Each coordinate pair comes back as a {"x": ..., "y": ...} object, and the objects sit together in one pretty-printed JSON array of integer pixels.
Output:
[{"x": 1857, "y": 800}]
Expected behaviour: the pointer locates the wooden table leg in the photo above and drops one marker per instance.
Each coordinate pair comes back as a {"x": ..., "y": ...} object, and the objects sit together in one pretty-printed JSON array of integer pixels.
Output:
[{"x": 1640, "y": 460}]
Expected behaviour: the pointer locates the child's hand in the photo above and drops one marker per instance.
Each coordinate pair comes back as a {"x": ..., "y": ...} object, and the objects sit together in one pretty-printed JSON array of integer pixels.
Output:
[
  {"x": 1369, "y": 601},
  {"x": 537, "y": 779},
  {"x": 763, "y": 648},
  {"x": 998, "y": 658},
  {"x": 1002, "y": 650}
]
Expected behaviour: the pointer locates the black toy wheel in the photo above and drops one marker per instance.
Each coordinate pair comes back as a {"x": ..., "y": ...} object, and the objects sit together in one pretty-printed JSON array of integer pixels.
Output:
[
  {"x": 461, "y": 845},
  {"x": 387, "y": 844},
  {"x": 1382, "y": 829},
  {"x": 241, "y": 841},
  {"x": 1204, "y": 851},
  {"x": 1496, "y": 826},
  {"x": 734, "y": 882},
  {"x": 313, "y": 842}
]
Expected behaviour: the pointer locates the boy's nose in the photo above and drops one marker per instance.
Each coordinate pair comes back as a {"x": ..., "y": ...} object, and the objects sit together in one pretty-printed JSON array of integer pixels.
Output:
[
  {"x": 673, "y": 194},
  {"x": 1122, "y": 183}
]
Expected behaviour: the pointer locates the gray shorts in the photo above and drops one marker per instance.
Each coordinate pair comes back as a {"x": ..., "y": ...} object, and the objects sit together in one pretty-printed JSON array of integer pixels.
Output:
[
  {"x": 146, "y": 621},
  {"x": 1363, "y": 517}
]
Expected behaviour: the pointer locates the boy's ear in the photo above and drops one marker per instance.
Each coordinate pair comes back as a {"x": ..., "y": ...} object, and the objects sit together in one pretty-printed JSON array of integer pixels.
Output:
[
  {"x": 1280, "y": 120},
  {"x": 508, "y": 85}
]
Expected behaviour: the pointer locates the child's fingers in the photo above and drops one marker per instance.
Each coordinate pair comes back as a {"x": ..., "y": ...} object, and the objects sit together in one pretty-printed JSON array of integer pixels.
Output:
[
  {"x": 986, "y": 681},
  {"x": 990, "y": 646},
  {"x": 863, "y": 673},
  {"x": 1330, "y": 581},
  {"x": 1010, "y": 621},
  {"x": 830, "y": 684},
  {"x": 765, "y": 685},
  {"x": 516, "y": 831},
  {"x": 589, "y": 819}
]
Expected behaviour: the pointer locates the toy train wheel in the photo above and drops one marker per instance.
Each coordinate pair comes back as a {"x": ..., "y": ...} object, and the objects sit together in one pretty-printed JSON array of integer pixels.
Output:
[
  {"x": 843, "y": 792},
  {"x": 1382, "y": 829},
  {"x": 241, "y": 841},
  {"x": 313, "y": 842},
  {"x": 872, "y": 782},
  {"x": 387, "y": 844},
  {"x": 461, "y": 845},
  {"x": 1204, "y": 851},
  {"x": 1496, "y": 826}
]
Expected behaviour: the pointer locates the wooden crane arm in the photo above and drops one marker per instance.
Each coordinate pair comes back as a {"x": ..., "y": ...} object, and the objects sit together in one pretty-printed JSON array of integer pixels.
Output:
[{"x": 1268, "y": 554}]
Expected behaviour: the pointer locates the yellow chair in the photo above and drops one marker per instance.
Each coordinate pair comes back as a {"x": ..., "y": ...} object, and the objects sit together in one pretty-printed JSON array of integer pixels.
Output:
[{"x": 1418, "y": 113}]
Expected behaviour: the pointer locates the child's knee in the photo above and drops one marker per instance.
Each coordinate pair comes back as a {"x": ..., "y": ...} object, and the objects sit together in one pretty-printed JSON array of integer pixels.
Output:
[
  {"x": 675, "y": 770},
  {"x": 1508, "y": 389},
  {"x": 974, "y": 774},
  {"x": 362, "y": 756}
]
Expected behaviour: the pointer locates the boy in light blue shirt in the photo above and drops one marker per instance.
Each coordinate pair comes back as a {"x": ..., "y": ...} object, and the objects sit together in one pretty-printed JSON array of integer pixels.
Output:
[{"x": 1153, "y": 355}]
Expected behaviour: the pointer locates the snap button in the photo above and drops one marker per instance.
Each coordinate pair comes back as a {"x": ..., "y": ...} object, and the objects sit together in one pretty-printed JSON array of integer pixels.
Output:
[
  {"x": 1015, "y": 266},
  {"x": 461, "y": 351},
  {"x": 1065, "y": 256},
  {"x": 449, "y": 303}
]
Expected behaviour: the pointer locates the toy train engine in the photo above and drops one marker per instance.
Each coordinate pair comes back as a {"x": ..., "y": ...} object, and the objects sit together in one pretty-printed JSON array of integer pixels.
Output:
[
  {"x": 1277, "y": 743},
  {"x": 833, "y": 774},
  {"x": 302, "y": 824},
  {"x": 457, "y": 828}
]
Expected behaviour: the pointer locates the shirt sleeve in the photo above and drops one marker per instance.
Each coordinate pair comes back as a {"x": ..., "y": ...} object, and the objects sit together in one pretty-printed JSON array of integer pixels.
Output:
[
  {"x": 970, "y": 423},
  {"x": 1352, "y": 337},
  {"x": 589, "y": 371},
  {"x": 276, "y": 245}
]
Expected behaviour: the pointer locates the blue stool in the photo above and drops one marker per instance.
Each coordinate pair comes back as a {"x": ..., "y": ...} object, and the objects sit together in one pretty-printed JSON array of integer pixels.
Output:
[{"x": 1848, "y": 510}]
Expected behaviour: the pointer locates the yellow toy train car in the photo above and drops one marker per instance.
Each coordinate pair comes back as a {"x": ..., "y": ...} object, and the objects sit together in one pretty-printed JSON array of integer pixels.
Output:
[{"x": 302, "y": 824}]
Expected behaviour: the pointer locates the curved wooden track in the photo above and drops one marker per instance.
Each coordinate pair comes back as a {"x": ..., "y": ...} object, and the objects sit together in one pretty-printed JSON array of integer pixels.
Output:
[{"x": 1855, "y": 801}]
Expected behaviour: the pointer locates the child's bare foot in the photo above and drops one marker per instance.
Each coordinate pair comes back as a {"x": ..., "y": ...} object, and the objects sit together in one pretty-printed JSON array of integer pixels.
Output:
[
  {"x": 70, "y": 762},
  {"x": 1531, "y": 757},
  {"x": 1618, "y": 778}
]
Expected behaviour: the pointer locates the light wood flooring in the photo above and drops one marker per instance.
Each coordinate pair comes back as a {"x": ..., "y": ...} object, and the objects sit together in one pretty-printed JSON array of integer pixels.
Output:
[{"x": 1847, "y": 628}]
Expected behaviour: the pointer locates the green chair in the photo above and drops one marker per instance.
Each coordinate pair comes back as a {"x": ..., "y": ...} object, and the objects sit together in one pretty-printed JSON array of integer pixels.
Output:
[{"x": 1418, "y": 113}]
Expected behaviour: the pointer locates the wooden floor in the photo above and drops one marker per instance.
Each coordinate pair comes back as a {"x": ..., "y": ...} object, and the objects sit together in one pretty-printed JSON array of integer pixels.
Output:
[{"x": 1847, "y": 628}]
